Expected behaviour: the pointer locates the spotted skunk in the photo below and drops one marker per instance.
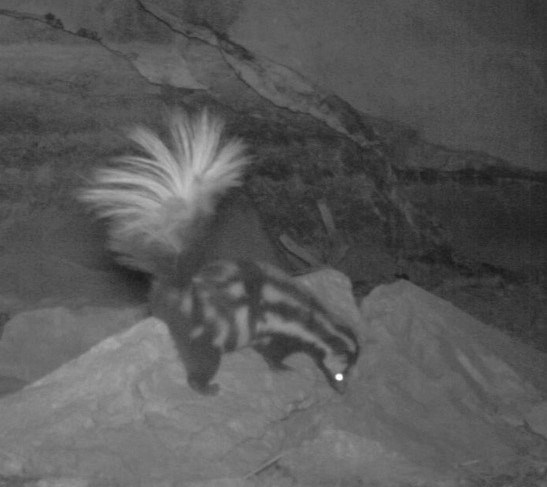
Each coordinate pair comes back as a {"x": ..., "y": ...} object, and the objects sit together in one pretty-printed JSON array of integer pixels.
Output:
[{"x": 160, "y": 206}]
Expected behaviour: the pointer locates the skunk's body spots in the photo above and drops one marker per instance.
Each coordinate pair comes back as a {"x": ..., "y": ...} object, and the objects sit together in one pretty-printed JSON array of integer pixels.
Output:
[
  {"x": 207, "y": 285},
  {"x": 241, "y": 322},
  {"x": 275, "y": 296},
  {"x": 273, "y": 316},
  {"x": 236, "y": 290}
]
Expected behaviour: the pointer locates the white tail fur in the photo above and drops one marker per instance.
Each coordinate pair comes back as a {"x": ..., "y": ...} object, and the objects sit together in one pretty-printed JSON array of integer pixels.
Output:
[{"x": 154, "y": 203}]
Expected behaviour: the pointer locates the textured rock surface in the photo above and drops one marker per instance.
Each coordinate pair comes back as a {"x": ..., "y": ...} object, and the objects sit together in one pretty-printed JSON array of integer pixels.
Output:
[
  {"x": 430, "y": 404},
  {"x": 458, "y": 85},
  {"x": 34, "y": 343},
  {"x": 461, "y": 82}
]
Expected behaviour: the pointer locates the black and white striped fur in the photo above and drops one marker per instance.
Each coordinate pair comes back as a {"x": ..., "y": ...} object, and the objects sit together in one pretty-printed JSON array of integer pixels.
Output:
[
  {"x": 235, "y": 304},
  {"x": 160, "y": 207}
]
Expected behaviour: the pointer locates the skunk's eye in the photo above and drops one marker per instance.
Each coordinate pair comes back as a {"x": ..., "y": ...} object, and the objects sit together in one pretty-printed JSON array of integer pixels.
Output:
[{"x": 338, "y": 377}]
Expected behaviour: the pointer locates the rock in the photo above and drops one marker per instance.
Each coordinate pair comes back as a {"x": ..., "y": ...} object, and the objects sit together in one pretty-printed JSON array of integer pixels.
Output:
[
  {"x": 536, "y": 419},
  {"x": 34, "y": 343},
  {"x": 428, "y": 404},
  {"x": 436, "y": 376}
]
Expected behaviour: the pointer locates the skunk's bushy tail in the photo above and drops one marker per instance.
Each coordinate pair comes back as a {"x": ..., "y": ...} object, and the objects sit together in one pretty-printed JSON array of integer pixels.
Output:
[{"x": 157, "y": 204}]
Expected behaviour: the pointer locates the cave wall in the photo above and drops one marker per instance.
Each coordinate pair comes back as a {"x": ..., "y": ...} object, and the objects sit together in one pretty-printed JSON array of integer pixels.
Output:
[
  {"x": 460, "y": 86},
  {"x": 468, "y": 75}
]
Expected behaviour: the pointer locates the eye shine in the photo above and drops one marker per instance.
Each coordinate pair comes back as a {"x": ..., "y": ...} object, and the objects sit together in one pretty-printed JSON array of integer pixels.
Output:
[{"x": 160, "y": 207}]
